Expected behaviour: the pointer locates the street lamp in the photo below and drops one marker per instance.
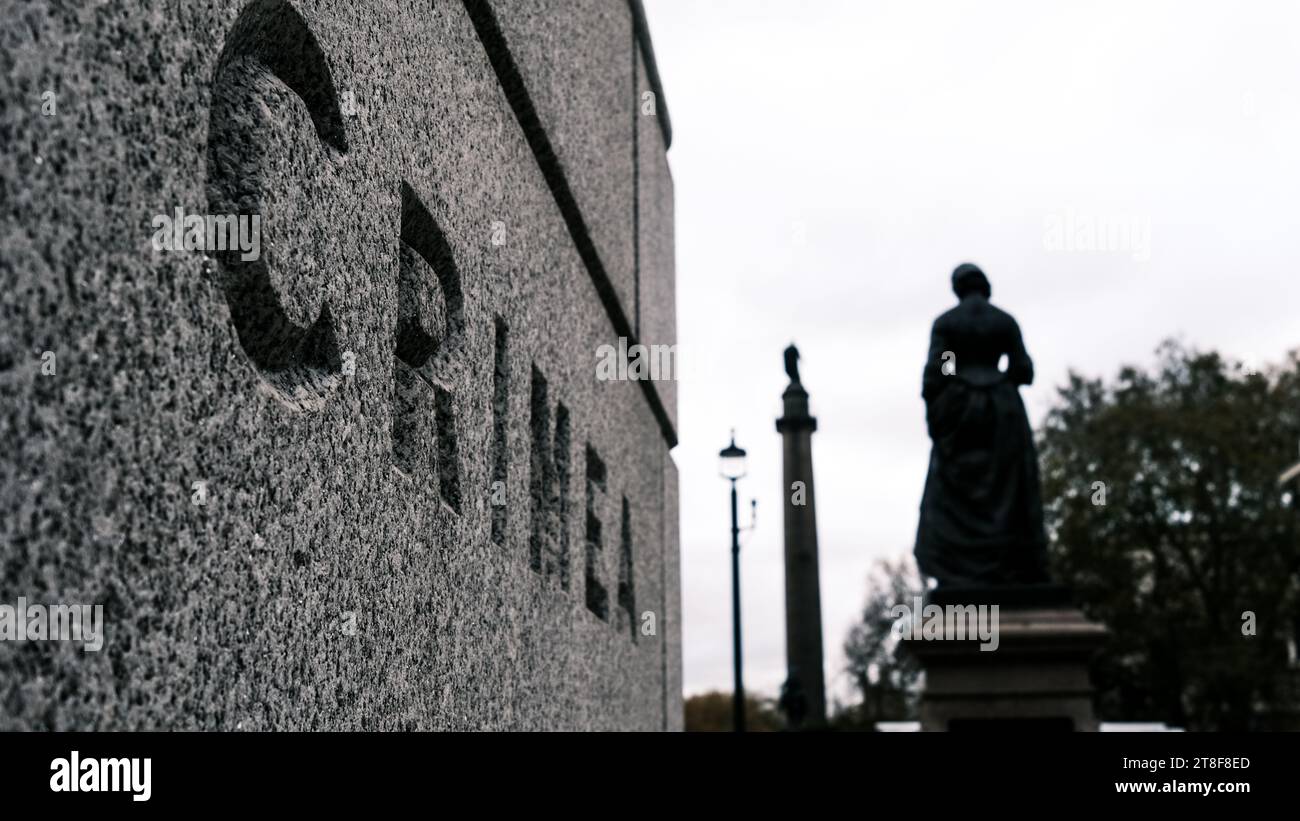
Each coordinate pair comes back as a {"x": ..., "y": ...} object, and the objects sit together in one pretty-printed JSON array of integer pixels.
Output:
[
  {"x": 1290, "y": 473},
  {"x": 732, "y": 467}
]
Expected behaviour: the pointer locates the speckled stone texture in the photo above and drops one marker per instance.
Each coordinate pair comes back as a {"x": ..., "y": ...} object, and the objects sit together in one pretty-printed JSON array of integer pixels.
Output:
[
  {"x": 657, "y": 269},
  {"x": 421, "y": 509},
  {"x": 576, "y": 58}
]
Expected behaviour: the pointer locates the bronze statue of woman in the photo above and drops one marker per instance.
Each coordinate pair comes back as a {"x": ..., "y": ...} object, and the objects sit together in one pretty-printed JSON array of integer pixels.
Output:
[{"x": 982, "y": 512}]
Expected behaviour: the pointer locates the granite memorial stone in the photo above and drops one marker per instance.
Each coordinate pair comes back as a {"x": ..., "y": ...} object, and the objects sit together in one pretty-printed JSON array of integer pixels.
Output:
[{"x": 299, "y": 305}]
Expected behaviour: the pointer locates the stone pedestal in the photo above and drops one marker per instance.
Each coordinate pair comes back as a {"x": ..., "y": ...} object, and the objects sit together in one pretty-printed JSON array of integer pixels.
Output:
[{"x": 1036, "y": 679}]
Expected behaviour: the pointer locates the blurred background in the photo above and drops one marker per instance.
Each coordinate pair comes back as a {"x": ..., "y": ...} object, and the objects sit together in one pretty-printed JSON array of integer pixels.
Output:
[{"x": 1126, "y": 174}]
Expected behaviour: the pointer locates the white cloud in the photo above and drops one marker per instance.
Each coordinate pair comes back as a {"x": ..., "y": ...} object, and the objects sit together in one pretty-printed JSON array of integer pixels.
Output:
[{"x": 908, "y": 137}]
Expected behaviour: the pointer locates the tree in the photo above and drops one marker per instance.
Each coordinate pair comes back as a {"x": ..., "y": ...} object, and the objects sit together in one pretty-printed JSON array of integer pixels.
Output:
[
  {"x": 711, "y": 713},
  {"x": 1164, "y": 514},
  {"x": 887, "y": 681}
]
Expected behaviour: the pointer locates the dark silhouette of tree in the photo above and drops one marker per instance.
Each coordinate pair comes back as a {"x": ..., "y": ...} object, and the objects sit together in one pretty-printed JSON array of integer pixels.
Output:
[
  {"x": 886, "y": 680},
  {"x": 1164, "y": 513},
  {"x": 711, "y": 713}
]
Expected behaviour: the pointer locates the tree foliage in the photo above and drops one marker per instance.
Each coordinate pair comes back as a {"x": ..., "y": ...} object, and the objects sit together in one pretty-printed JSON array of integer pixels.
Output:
[
  {"x": 1164, "y": 513},
  {"x": 711, "y": 713},
  {"x": 887, "y": 681}
]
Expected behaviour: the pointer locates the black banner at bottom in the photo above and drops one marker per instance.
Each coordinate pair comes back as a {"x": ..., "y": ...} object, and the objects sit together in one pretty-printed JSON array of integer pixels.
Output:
[{"x": 130, "y": 773}]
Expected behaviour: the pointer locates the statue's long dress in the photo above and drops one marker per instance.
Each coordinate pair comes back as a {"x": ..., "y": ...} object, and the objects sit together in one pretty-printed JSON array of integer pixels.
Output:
[{"x": 982, "y": 514}]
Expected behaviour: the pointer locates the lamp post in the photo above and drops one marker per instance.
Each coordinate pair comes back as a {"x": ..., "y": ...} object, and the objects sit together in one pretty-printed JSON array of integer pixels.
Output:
[
  {"x": 732, "y": 461},
  {"x": 1290, "y": 473}
]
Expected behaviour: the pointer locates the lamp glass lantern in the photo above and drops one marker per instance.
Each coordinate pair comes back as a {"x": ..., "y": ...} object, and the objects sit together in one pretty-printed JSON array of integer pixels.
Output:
[{"x": 731, "y": 460}]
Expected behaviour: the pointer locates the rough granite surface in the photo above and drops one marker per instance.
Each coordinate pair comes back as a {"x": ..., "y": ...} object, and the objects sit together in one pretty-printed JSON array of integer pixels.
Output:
[
  {"x": 655, "y": 242},
  {"x": 419, "y": 327},
  {"x": 576, "y": 58}
]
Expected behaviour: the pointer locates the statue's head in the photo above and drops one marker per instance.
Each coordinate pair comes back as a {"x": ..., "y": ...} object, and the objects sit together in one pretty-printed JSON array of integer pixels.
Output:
[{"x": 969, "y": 279}]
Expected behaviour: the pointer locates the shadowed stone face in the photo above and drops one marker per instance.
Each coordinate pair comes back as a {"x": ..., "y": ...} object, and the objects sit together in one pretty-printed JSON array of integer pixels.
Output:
[{"x": 419, "y": 508}]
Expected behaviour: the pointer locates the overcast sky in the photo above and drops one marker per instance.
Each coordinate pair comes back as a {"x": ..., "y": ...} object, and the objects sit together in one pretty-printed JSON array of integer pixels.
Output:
[{"x": 835, "y": 160}]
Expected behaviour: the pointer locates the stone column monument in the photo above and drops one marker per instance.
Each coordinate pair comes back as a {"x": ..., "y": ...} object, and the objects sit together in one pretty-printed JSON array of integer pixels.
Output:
[{"x": 804, "y": 693}]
